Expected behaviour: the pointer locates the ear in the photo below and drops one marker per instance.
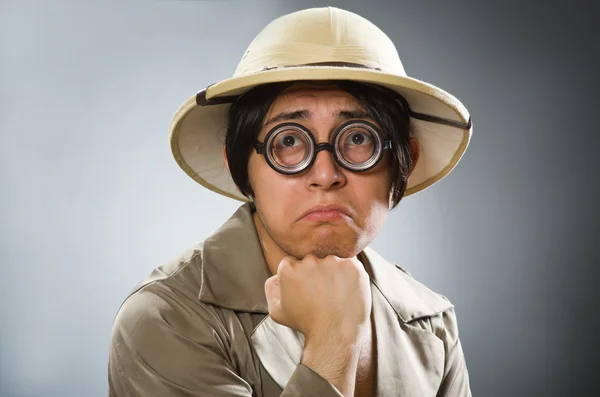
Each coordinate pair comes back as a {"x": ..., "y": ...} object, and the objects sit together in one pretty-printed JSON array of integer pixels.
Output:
[
  {"x": 415, "y": 151},
  {"x": 225, "y": 159}
]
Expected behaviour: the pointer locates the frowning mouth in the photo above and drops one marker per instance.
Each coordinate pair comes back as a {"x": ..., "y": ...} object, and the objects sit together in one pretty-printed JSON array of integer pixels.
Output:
[{"x": 328, "y": 212}]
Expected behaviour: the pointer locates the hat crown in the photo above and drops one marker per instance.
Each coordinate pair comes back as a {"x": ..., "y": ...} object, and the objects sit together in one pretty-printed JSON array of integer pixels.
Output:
[{"x": 320, "y": 35}]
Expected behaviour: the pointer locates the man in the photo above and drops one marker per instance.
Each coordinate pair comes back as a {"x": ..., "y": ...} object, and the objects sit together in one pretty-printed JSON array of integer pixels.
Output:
[{"x": 324, "y": 134}]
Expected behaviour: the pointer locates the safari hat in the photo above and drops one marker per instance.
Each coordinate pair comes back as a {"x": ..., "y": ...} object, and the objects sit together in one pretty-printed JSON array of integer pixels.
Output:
[{"x": 319, "y": 44}]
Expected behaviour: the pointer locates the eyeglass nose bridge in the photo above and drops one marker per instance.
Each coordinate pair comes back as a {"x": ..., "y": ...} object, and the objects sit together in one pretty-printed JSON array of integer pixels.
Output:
[
  {"x": 313, "y": 156},
  {"x": 329, "y": 147},
  {"x": 324, "y": 146}
]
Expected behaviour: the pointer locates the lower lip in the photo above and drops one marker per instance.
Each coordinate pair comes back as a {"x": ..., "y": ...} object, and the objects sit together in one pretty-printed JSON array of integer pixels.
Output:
[{"x": 324, "y": 215}]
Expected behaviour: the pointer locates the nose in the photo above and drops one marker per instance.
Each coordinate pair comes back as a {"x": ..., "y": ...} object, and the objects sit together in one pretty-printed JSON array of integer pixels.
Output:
[{"x": 325, "y": 173}]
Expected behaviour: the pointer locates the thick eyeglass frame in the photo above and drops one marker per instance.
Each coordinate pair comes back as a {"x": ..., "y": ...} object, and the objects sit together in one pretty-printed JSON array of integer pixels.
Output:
[{"x": 381, "y": 145}]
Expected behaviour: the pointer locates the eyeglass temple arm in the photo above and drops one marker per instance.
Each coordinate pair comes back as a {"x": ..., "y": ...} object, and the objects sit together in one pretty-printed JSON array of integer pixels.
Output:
[{"x": 260, "y": 147}]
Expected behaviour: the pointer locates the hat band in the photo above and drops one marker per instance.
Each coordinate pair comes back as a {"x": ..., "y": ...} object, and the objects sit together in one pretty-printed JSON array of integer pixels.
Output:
[{"x": 201, "y": 99}]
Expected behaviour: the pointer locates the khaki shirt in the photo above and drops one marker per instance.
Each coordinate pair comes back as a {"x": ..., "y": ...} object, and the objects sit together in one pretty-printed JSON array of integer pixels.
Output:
[{"x": 199, "y": 326}]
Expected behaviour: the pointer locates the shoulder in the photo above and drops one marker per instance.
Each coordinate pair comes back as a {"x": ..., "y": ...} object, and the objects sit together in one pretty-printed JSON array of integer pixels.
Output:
[
  {"x": 410, "y": 298},
  {"x": 166, "y": 302},
  {"x": 182, "y": 274},
  {"x": 163, "y": 335},
  {"x": 416, "y": 304},
  {"x": 441, "y": 318},
  {"x": 157, "y": 311}
]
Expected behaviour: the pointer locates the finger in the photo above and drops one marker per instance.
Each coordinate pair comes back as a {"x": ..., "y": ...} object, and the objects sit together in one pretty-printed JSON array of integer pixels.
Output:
[
  {"x": 286, "y": 264},
  {"x": 272, "y": 288},
  {"x": 273, "y": 294}
]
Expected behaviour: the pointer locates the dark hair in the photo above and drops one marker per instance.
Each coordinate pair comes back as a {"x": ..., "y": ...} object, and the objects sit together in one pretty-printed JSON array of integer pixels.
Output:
[{"x": 388, "y": 109}]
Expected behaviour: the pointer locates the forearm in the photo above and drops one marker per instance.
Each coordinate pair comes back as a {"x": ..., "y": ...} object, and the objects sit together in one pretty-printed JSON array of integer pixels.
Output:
[{"x": 336, "y": 361}]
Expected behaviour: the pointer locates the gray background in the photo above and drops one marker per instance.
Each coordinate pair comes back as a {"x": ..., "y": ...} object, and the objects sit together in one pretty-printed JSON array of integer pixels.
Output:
[{"x": 91, "y": 199}]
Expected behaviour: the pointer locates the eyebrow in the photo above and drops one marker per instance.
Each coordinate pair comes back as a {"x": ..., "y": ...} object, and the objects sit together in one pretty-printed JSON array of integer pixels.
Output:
[{"x": 304, "y": 114}]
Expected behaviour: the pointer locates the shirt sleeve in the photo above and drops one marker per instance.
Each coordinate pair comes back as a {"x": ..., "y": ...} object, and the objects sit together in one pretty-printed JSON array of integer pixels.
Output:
[
  {"x": 455, "y": 382},
  {"x": 306, "y": 382},
  {"x": 162, "y": 347}
]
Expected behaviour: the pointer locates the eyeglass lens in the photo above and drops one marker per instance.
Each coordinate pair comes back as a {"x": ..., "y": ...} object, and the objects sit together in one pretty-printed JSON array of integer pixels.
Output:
[
  {"x": 290, "y": 147},
  {"x": 356, "y": 145}
]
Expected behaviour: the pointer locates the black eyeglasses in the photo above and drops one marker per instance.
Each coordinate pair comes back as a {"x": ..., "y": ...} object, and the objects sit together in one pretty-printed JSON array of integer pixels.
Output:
[{"x": 290, "y": 148}]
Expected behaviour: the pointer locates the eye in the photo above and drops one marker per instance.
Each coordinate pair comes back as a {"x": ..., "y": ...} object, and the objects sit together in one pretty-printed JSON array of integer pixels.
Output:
[
  {"x": 358, "y": 138},
  {"x": 288, "y": 141}
]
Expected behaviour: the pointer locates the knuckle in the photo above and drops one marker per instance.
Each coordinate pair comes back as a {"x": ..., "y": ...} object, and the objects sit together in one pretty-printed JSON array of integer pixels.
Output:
[
  {"x": 285, "y": 267},
  {"x": 275, "y": 314},
  {"x": 332, "y": 260},
  {"x": 286, "y": 260},
  {"x": 354, "y": 266}
]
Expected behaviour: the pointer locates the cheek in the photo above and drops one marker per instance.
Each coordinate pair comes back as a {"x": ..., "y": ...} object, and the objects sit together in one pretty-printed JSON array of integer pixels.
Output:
[
  {"x": 273, "y": 188},
  {"x": 377, "y": 203},
  {"x": 378, "y": 182},
  {"x": 384, "y": 178},
  {"x": 257, "y": 176},
  {"x": 373, "y": 195},
  {"x": 252, "y": 170}
]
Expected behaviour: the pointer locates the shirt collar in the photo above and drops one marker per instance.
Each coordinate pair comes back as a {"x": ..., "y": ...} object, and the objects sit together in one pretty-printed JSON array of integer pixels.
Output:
[
  {"x": 234, "y": 269},
  {"x": 234, "y": 272}
]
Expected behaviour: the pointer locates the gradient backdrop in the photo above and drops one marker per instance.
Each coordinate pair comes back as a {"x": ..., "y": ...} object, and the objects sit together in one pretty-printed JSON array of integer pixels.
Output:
[{"x": 91, "y": 199}]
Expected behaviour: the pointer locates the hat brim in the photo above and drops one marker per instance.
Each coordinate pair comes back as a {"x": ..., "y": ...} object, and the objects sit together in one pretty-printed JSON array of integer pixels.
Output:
[{"x": 197, "y": 132}]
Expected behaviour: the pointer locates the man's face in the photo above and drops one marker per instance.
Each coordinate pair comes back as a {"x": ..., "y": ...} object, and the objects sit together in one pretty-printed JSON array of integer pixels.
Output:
[{"x": 282, "y": 200}]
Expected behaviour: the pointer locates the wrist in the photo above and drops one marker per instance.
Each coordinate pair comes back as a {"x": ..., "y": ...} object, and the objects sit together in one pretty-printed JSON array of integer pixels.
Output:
[
  {"x": 344, "y": 337},
  {"x": 330, "y": 354}
]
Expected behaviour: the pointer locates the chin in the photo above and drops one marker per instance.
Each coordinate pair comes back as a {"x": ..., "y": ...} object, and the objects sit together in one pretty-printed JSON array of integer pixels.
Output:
[
  {"x": 332, "y": 244},
  {"x": 325, "y": 251}
]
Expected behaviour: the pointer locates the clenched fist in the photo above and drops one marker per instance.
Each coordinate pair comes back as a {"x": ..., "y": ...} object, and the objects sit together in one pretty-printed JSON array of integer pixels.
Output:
[{"x": 325, "y": 299}]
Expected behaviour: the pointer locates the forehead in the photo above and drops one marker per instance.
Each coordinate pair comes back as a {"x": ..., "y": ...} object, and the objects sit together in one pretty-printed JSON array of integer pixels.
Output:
[{"x": 314, "y": 94}]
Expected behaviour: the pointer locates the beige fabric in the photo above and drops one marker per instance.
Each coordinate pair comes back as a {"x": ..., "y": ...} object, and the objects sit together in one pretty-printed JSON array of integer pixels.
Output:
[
  {"x": 280, "y": 52},
  {"x": 199, "y": 327}
]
